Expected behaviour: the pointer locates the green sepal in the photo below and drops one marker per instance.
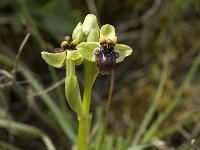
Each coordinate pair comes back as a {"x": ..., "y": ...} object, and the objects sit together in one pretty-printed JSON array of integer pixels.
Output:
[
  {"x": 90, "y": 22},
  {"x": 93, "y": 35},
  {"x": 73, "y": 95},
  {"x": 107, "y": 32},
  {"x": 54, "y": 59},
  {"x": 124, "y": 50},
  {"x": 86, "y": 49}
]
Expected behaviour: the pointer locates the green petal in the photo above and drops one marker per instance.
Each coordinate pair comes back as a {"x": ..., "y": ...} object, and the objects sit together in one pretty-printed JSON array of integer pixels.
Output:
[
  {"x": 79, "y": 61},
  {"x": 54, "y": 59},
  {"x": 107, "y": 31},
  {"x": 89, "y": 23},
  {"x": 125, "y": 51},
  {"x": 73, "y": 54},
  {"x": 76, "y": 30},
  {"x": 93, "y": 36},
  {"x": 86, "y": 50}
]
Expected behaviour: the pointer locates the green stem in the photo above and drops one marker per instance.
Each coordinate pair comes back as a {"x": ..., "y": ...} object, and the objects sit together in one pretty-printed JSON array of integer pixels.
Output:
[
  {"x": 83, "y": 120},
  {"x": 90, "y": 75},
  {"x": 82, "y": 134},
  {"x": 83, "y": 123},
  {"x": 87, "y": 94},
  {"x": 70, "y": 67}
]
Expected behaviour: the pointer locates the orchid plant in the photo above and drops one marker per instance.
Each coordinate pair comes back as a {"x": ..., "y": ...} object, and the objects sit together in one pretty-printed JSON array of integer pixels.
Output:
[{"x": 97, "y": 49}]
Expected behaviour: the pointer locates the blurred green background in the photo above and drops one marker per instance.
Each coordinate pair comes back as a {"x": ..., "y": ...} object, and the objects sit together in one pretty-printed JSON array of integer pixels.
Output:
[{"x": 156, "y": 96}]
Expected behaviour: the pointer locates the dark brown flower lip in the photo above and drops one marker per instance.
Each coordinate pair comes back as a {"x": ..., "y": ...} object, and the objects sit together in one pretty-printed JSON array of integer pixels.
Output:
[
  {"x": 57, "y": 50},
  {"x": 107, "y": 47},
  {"x": 106, "y": 57},
  {"x": 106, "y": 64}
]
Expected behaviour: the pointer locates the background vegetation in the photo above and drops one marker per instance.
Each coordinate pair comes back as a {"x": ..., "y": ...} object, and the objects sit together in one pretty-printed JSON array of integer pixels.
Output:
[{"x": 155, "y": 100}]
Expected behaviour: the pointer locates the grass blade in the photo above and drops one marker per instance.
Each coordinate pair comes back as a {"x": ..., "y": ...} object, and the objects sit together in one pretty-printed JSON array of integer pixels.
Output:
[
  {"x": 108, "y": 142},
  {"x": 8, "y": 146},
  {"x": 155, "y": 102},
  {"x": 20, "y": 129},
  {"x": 120, "y": 145},
  {"x": 163, "y": 116},
  {"x": 64, "y": 123}
]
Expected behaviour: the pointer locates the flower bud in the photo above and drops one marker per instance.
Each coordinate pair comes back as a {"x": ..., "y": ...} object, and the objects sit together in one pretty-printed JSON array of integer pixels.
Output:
[
  {"x": 81, "y": 37},
  {"x": 76, "y": 30},
  {"x": 89, "y": 23},
  {"x": 78, "y": 33},
  {"x": 93, "y": 35}
]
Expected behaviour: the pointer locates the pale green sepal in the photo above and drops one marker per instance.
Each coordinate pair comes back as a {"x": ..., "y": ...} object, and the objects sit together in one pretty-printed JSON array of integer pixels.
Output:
[
  {"x": 93, "y": 35},
  {"x": 73, "y": 95},
  {"x": 90, "y": 22},
  {"x": 54, "y": 59},
  {"x": 76, "y": 30},
  {"x": 107, "y": 31},
  {"x": 125, "y": 51},
  {"x": 86, "y": 50}
]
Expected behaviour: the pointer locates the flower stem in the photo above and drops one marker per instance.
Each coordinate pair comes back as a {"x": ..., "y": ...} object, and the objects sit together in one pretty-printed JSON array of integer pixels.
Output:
[
  {"x": 90, "y": 74},
  {"x": 70, "y": 67},
  {"x": 83, "y": 123},
  {"x": 82, "y": 134},
  {"x": 87, "y": 94}
]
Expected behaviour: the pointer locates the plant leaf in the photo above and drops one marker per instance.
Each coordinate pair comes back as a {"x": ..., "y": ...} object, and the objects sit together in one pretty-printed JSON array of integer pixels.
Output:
[
  {"x": 73, "y": 95},
  {"x": 86, "y": 50},
  {"x": 125, "y": 51},
  {"x": 54, "y": 59}
]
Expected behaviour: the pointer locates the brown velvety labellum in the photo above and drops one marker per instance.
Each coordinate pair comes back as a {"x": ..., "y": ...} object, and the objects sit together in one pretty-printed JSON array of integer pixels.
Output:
[
  {"x": 106, "y": 63},
  {"x": 58, "y": 50}
]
